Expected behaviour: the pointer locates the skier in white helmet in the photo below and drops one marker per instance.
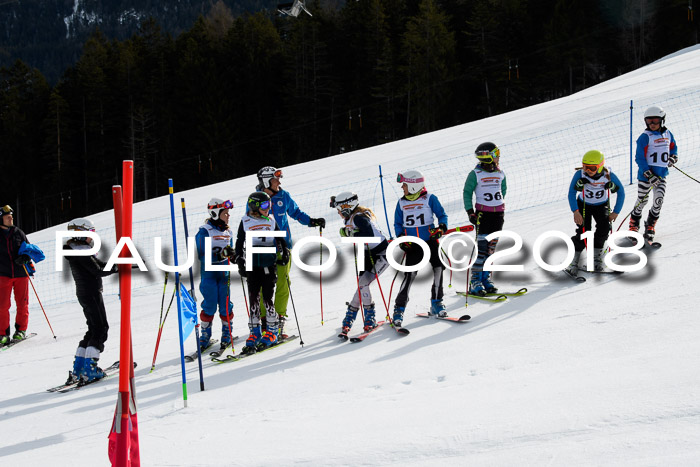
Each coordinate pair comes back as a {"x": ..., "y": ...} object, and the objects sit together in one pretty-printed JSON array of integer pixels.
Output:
[
  {"x": 215, "y": 286},
  {"x": 656, "y": 152},
  {"x": 414, "y": 216}
]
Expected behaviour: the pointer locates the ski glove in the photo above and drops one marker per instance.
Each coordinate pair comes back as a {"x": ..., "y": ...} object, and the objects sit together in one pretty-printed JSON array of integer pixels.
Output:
[
  {"x": 672, "y": 159},
  {"x": 22, "y": 259},
  {"x": 317, "y": 222},
  {"x": 439, "y": 232},
  {"x": 473, "y": 218},
  {"x": 406, "y": 246},
  {"x": 580, "y": 183},
  {"x": 653, "y": 179},
  {"x": 240, "y": 261},
  {"x": 228, "y": 252},
  {"x": 348, "y": 232},
  {"x": 283, "y": 259},
  {"x": 612, "y": 187}
]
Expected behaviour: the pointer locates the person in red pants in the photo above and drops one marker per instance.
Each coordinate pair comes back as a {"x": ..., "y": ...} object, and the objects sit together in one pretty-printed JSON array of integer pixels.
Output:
[{"x": 13, "y": 276}]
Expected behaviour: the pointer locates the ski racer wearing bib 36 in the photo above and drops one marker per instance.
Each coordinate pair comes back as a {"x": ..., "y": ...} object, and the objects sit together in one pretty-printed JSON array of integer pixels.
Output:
[
  {"x": 361, "y": 222},
  {"x": 215, "y": 285},
  {"x": 414, "y": 216},
  {"x": 656, "y": 152},
  {"x": 488, "y": 182},
  {"x": 282, "y": 206},
  {"x": 589, "y": 198}
]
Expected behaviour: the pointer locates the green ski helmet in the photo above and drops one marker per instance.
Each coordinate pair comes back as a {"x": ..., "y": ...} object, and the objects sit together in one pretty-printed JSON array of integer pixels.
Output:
[{"x": 593, "y": 161}]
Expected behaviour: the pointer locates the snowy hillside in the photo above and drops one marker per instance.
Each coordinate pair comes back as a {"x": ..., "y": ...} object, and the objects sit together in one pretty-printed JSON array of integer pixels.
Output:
[{"x": 599, "y": 373}]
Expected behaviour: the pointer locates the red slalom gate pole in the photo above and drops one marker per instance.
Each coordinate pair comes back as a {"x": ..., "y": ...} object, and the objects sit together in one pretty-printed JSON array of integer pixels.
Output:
[{"x": 123, "y": 440}]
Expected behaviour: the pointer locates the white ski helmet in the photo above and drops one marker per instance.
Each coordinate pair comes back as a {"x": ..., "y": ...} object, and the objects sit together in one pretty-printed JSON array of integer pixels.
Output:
[
  {"x": 413, "y": 179},
  {"x": 655, "y": 111},
  {"x": 345, "y": 203},
  {"x": 268, "y": 173},
  {"x": 216, "y": 205},
  {"x": 82, "y": 224}
]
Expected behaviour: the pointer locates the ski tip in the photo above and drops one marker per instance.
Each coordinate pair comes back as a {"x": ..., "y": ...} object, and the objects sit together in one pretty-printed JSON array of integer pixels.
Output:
[{"x": 465, "y": 318}]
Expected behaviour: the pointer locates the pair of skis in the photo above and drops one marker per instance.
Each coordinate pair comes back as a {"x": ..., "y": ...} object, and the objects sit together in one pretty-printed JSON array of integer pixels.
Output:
[
  {"x": 244, "y": 354},
  {"x": 14, "y": 342},
  {"x": 75, "y": 384},
  {"x": 496, "y": 296},
  {"x": 399, "y": 329}
]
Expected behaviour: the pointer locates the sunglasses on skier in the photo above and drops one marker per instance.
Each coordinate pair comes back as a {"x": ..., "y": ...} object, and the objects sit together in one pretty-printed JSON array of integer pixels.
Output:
[
  {"x": 653, "y": 121},
  {"x": 225, "y": 205}
]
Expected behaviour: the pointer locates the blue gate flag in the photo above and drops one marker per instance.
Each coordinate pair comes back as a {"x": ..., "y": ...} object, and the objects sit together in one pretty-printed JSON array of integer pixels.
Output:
[{"x": 189, "y": 312}]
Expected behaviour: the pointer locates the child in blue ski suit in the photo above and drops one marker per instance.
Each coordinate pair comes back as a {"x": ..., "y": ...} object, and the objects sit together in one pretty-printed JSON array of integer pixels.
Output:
[
  {"x": 215, "y": 285},
  {"x": 656, "y": 152},
  {"x": 414, "y": 216},
  {"x": 589, "y": 198}
]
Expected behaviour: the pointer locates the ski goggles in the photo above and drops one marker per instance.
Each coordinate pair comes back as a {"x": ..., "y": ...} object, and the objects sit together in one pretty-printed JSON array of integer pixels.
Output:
[
  {"x": 653, "y": 121},
  {"x": 265, "y": 205},
  {"x": 276, "y": 174},
  {"x": 401, "y": 179},
  {"x": 592, "y": 168},
  {"x": 494, "y": 153},
  {"x": 225, "y": 205},
  {"x": 6, "y": 209},
  {"x": 343, "y": 203}
]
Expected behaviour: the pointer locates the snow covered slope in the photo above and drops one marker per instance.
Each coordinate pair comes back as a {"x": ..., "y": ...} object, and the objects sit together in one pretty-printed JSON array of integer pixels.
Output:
[{"x": 600, "y": 373}]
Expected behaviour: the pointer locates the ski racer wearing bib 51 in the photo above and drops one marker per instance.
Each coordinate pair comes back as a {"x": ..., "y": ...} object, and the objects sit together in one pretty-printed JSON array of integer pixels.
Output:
[
  {"x": 215, "y": 285},
  {"x": 589, "y": 198},
  {"x": 656, "y": 152},
  {"x": 414, "y": 216},
  {"x": 488, "y": 183}
]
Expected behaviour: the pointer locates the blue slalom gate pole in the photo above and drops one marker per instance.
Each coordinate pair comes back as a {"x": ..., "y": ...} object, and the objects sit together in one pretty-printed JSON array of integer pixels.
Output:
[
  {"x": 177, "y": 291},
  {"x": 196, "y": 318},
  {"x": 631, "y": 153},
  {"x": 386, "y": 216}
]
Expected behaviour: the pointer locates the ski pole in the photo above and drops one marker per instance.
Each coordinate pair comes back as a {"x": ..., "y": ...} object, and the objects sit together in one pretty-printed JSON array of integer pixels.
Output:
[
  {"x": 320, "y": 273},
  {"x": 294, "y": 309},
  {"x": 228, "y": 300},
  {"x": 376, "y": 276},
  {"x": 37, "y": 298},
  {"x": 160, "y": 322},
  {"x": 476, "y": 248},
  {"x": 357, "y": 276},
  {"x": 686, "y": 174},
  {"x": 391, "y": 289}
]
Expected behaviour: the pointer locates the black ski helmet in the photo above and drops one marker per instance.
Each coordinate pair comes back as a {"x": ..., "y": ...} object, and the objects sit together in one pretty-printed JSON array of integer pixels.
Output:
[
  {"x": 485, "y": 152},
  {"x": 257, "y": 200}
]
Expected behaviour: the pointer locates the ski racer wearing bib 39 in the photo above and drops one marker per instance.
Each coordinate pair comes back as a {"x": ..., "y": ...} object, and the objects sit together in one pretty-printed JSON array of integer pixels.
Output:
[
  {"x": 488, "y": 183},
  {"x": 215, "y": 285},
  {"x": 656, "y": 152},
  {"x": 414, "y": 216},
  {"x": 589, "y": 198}
]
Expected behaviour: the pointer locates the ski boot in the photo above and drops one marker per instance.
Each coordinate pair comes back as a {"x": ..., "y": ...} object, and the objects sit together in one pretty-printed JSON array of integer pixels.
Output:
[
  {"x": 253, "y": 340},
  {"x": 225, "y": 333},
  {"x": 78, "y": 369},
  {"x": 476, "y": 287},
  {"x": 397, "y": 319},
  {"x": 634, "y": 223},
  {"x": 598, "y": 264},
  {"x": 269, "y": 337},
  {"x": 4, "y": 340},
  {"x": 19, "y": 335},
  {"x": 350, "y": 317},
  {"x": 437, "y": 308},
  {"x": 649, "y": 226},
  {"x": 370, "y": 320},
  {"x": 281, "y": 321},
  {"x": 486, "y": 281},
  {"x": 205, "y": 336},
  {"x": 572, "y": 268},
  {"x": 91, "y": 372}
]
